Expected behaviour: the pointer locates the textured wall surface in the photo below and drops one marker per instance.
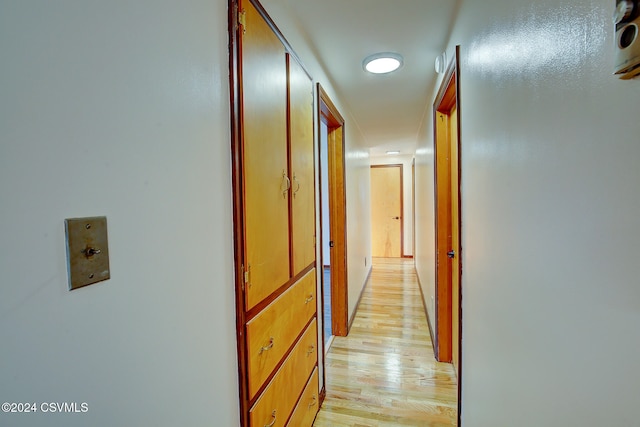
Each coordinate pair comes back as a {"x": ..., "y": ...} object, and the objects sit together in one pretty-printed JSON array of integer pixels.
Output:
[
  {"x": 551, "y": 302},
  {"x": 118, "y": 109}
]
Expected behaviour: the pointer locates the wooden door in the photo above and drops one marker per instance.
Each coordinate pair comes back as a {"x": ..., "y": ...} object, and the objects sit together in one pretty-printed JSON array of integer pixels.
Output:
[
  {"x": 265, "y": 167},
  {"x": 413, "y": 208},
  {"x": 455, "y": 238},
  {"x": 386, "y": 211},
  {"x": 447, "y": 192},
  {"x": 302, "y": 166},
  {"x": 449, "y": 291},
  {"x": 338, "y": 233},
  {"x": 443, "y": 238}
]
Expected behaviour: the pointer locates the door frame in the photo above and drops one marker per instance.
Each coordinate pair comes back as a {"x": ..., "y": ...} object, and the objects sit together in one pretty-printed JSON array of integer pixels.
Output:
[
  {"x": 400, "y": 166},
  {"x": 329, "y": 114},
  {"x": 447, "y": 98}
]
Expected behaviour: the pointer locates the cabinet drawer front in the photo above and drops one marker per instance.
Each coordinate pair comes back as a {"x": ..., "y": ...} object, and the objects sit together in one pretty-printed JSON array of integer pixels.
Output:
[
  {"x": 278, "y": 399},
  {"x": 307, "y": 407},
  {"x": 272, "y": 332}
]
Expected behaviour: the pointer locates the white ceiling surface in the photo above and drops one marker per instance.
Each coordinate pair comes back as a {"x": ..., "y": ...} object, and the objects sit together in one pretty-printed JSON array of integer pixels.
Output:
[{"x": 387, "y": 108}]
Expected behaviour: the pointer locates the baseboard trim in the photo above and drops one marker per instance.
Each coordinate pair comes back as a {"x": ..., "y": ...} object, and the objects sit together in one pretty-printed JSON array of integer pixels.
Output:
[
  {"x": 355, "y": 310},
  {"x": 426, "y": 311},
  {"x": 327, "y": 346}
]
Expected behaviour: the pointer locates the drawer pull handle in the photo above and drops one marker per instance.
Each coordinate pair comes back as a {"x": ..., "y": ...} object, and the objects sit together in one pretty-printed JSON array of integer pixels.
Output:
[
  {"x": 309, "y": 299},
  {"x": 273, "y": 415},
  {"x": 267, "y": 348},
  {"x": 313, "y": 403},
  {"x": 312, "y": 348}
]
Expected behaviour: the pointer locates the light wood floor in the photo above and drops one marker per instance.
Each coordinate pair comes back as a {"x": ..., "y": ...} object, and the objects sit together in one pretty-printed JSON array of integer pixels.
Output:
[{"x": 384, "y": 373}]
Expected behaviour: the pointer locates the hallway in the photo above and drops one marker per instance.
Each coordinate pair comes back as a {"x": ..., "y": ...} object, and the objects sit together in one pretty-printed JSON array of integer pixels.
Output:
[{"x": 384, "y": 373}]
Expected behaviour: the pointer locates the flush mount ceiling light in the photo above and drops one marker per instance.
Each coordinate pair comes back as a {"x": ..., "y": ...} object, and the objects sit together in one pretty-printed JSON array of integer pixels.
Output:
[
  {"x": 393, "y": 152},
  {"x": 382, "y": 63}
]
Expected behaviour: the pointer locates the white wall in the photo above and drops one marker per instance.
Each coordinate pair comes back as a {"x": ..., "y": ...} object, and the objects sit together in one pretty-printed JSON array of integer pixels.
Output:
[
  {"x": 551, "y": 302},
  {"x": 358, "y": 180},
  {"x": 407, "y": 199},
  {"x": 117, "y": 109},
  {"x": 425, "y": 256}
]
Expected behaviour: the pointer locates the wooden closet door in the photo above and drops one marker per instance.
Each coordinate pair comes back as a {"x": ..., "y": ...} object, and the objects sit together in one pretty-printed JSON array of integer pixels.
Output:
[
  {"x": 386, "y": 211},
  {"x": 302, "y": 166},
  {"x": 265, "y": 166}
]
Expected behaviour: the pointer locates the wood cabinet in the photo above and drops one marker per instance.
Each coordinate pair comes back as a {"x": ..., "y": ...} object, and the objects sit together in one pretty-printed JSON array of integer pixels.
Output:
[
  {"x": 274, "y": 188},
  {"x": 265, "y": 161},
  {"x": 280, "y": 397},
  {"x": 302, "y": 166},
  {"x": 274, "y": 330},
  {"x": 305, "y": 411}
]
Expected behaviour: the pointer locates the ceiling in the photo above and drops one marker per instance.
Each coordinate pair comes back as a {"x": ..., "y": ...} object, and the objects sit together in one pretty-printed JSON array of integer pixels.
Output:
[{"x": 387, "y": 108}]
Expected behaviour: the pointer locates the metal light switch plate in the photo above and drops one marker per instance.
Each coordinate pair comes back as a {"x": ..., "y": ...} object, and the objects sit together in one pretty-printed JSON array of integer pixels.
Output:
[{"x": 87, "y": 251}]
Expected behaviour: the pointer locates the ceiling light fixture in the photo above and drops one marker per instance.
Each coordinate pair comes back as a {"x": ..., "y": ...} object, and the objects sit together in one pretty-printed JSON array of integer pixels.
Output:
[
  {"x": 393, "y": 152},
  {"x": 382, "y": 63}
]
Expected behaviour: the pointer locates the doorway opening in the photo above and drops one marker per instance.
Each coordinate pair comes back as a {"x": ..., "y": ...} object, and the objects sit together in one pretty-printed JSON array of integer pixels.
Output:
[
  {"x": 326, "y": 235},
  {"x": 333, "y": 218}
]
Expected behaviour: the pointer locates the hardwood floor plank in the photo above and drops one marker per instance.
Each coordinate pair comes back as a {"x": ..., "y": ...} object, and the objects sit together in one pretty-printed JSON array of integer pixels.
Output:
[{"x": 384, "y": 373}]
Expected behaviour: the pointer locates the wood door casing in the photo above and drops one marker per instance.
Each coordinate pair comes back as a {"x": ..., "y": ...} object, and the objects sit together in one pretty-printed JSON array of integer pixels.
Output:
[
  {"x": 302, "y": 166},
  {"x": 413, "y": 209},
  {"x": 386, "y": 211},
  {"x": 455, "y": 239},
  {"x": 265, "y": 167}
]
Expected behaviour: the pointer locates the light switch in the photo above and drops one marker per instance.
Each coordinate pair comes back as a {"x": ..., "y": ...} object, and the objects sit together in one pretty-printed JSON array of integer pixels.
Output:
[{"x": 87, "y": 251}]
